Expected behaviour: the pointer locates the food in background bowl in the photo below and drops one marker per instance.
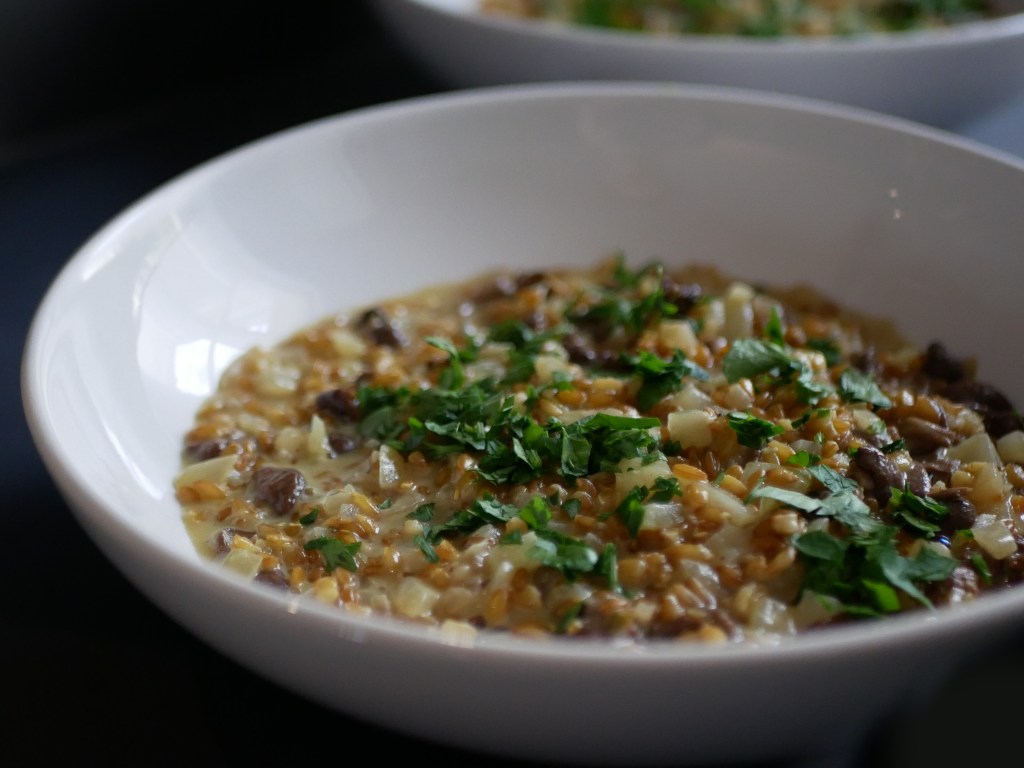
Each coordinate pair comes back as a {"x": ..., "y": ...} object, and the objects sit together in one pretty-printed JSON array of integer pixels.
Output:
[
  {"x": 750, "y": 18},
  {"x": 946, "y": 76},
  {"x": 614, "y": 452}
]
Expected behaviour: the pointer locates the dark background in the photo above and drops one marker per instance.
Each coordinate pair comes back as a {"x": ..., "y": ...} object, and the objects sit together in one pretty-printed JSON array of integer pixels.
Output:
[{"x": 100, "y": 102}]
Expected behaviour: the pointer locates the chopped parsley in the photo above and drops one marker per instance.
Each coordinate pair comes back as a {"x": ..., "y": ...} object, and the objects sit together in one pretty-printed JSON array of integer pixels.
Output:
[
  {"x": 661, "y": 377},
  {"x": 857, "y": 559},
  {"x": 631, "y": 509},
  {"x": 336, "y": 553},
  {"x": 917, "y": 512},
  {"x": 803, "y": 459},
  {"x": 895, "y": 445},
  {"x": 526, "y": 344},
  {"x": 752, "y": 431},
  {"x": 479, "y": 417},
  {"x": 858, "y": 387},
  {"x": 832, "y": 480},
  {"x": 813, "y": 413},
  {"x": 861, "y": 567},
  {"x": 573, "y": 557},
  {"x": 866, "y": 573},
  {"x": 751, "y": 358},
  {"x": 981, "y": 567},
  {"x": 828, "y": 348},
  {"x": 773, "y": 330},
  {"x": 768, "y": 363},
  {"x": 634, "y": 301}
]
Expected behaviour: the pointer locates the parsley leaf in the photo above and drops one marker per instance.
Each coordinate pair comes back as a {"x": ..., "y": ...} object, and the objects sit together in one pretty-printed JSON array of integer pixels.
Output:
[
  {"x": 481, "y": 512},
  {"x": 631, "y": 509},
  {"x": 749, "y": 358},
  {"x": 832, "y": 480},
  {"x": 752, "y": 431},
  {"x": 661, "y": 377},
  {"x": 981, "y": 567},
  {"x": 917, "y": 512},
  {"x": 526, "y": 345},
  {"x": 773, "y": 330},
  {"x": 856, "y": 386},
  {"x": 454, "y": 375},
  {"x": 826, "y": 347},
  {"x": 863, "y": 570},
  {"x": 757, "y": 359},
  {"x": 806, "y": 416},
  {"x": 793, "y": 499},
  {"x": 426, "y": 548},
  {"x": 573, "y": 557},
  {"x": 336, "y": 553},
  {"x": 810, "y": 391},
  {"x": 665, "y": 489},
  {"x": 803, "y": 459},
  {"x": 567, "y": 618},
  {"x": 902, "y": 572},
  {"x": 617, "y": 309}
]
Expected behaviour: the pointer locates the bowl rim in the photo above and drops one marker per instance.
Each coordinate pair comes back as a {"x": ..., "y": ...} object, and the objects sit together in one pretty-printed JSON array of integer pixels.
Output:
[
  {"x": 982, "y": 31},
  {"x": 992, "y": 610}
]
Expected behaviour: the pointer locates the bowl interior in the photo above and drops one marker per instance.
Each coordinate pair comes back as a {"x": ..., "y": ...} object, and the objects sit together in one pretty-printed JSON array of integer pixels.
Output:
[{"x": 886, "y": 217}]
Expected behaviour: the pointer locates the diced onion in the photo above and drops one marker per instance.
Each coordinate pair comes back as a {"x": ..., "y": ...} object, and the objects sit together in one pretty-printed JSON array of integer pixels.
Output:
[
  {"x": 317, "y": 445},
  {"x": 659, "y": 516},
  {"x": 244, "y": 561},
  {"x": 691, "y": 428},
  {"x": 390, "y": 463},
  {"x": 633, "y": 473},
  {"x": 691, "y": 398},
  {"x": 977, "y": 447},
  {"x": 868, "y": 421},
  {"x": 678, "y": 334},
  {"x": 347, "y": 343},
  {"x": 547, "y": 365},
  {"x": 738, "y": 397},
  {"x": 738, "y": 513},
  {"x": 277, "y": 380},
  {"x": 993, "y": 536},
  {"x": 413, "y": 598},
  {"x": 991, "y": 492},
  {"x": 1011, "y": 447},
  {"x": 219, "y": 470},
  {"x": 739, "y": 312}
]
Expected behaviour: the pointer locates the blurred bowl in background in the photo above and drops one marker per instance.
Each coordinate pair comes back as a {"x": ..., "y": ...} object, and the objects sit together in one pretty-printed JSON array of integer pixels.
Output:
[{"x": 943, "y": 77}]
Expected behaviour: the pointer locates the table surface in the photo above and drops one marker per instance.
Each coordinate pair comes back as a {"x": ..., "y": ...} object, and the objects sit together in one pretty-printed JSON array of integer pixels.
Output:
[{"x": 93, "y": 672}]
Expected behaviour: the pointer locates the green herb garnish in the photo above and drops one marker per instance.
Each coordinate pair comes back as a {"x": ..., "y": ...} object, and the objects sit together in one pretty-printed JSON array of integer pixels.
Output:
[
  {"x": 858, "y": 387},
  {"x": 661, "y": 377},
  {"x": 336, "y": 553},
  {"x": 752, "y": 431}
]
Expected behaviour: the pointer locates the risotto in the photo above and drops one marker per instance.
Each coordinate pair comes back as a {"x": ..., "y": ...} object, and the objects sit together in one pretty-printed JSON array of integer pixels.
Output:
[
  {"x": 750, "y": 18},
  {"x": 616, "y": 452}
]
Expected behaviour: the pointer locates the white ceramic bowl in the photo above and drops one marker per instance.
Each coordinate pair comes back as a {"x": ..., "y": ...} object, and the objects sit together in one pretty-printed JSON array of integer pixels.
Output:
[
  {"x": 943, "y": 77},
  {"x": 890, "y": 217}
]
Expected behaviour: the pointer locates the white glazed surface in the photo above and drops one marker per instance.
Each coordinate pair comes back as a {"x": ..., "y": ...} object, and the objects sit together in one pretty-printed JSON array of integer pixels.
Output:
[
  {"x": 943, "y": 78},
  {"x": 883, "y": 215}
]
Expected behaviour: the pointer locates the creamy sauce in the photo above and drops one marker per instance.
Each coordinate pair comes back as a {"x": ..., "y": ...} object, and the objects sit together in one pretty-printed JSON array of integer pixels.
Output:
[{"x": 636, "y": 453}]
